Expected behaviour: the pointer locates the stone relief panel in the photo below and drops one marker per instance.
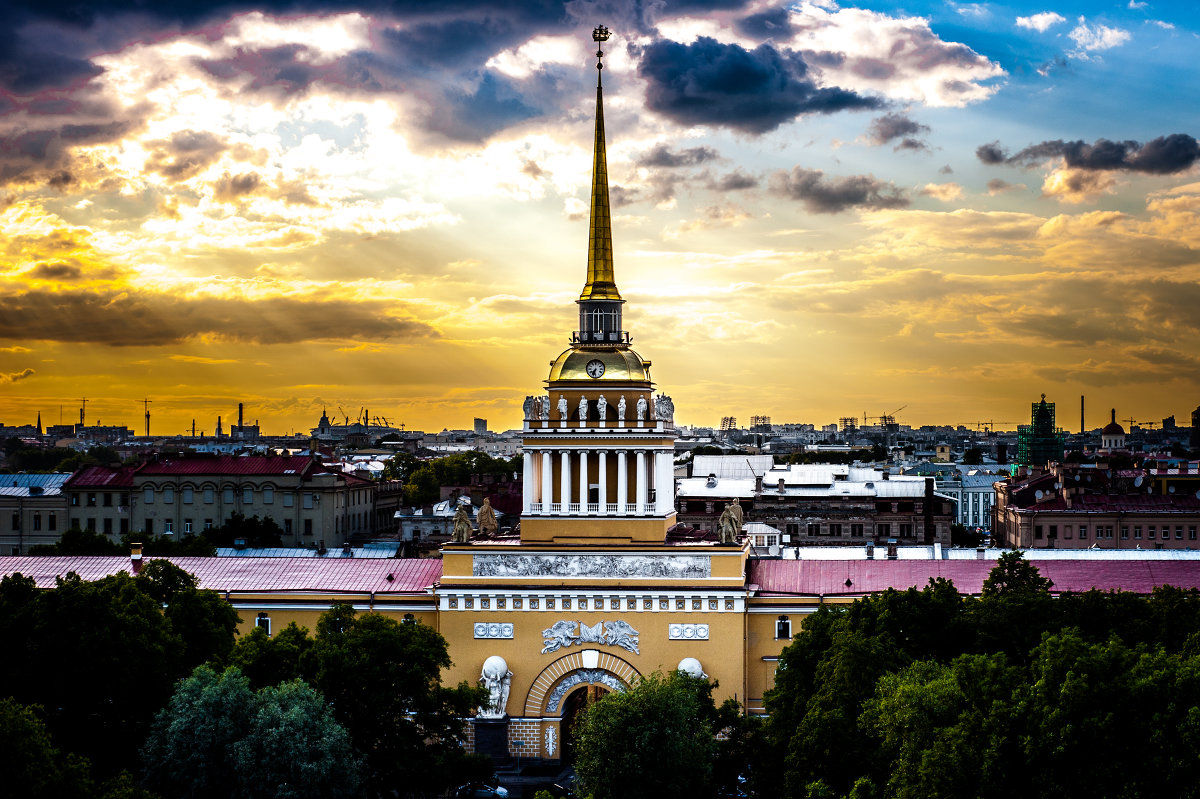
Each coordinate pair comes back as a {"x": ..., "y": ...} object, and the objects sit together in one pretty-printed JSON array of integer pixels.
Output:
[
  {"x": 581, "y": 677},
  {"x": 493, "y": 629},
  {"x": 687, "y": 632},
  {"x": 611, "y": 633},
  {"x": 676, "y": 567},
  {"x": 551, "y": 742}
]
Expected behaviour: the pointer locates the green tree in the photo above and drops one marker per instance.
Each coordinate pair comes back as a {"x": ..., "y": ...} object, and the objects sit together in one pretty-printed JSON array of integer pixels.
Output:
[
  {"x": 219, "y": 738},
  {"x": 654, "y": 740},
  {"x": 272, "y": 659},
  {"x": 383, "y": 680},
  {"x": 973, "y": 456},
  {"x": 32, "y": 766},
  {"x": 1014, "y": 576},
  {"x": 79, "y": 542}
]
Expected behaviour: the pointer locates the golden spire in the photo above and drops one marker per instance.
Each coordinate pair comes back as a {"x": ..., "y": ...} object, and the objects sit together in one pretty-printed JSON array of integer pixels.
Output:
[{"x": 601, "y": 283}]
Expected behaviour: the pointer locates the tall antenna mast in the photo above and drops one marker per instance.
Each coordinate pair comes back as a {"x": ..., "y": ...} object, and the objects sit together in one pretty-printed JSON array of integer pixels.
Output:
[{"x": 146, "y": 405}]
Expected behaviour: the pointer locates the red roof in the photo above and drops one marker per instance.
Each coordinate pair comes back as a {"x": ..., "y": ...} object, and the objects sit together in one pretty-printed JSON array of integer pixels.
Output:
[
  {"x": 246, "y": 574},
  {"x": 1126, "y": 503},
  {"x": 233, "y": 464},
  {"x": 828, "y": 577},
  {"x": 101, "y": 477}
]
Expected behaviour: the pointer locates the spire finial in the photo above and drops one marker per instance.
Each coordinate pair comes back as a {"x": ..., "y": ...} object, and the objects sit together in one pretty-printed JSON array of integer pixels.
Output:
[{"x": 601, "y": 284}]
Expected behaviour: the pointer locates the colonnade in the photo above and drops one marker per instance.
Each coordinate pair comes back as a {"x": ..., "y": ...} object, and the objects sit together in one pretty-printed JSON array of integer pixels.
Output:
[{"x": 559, "y": 482}]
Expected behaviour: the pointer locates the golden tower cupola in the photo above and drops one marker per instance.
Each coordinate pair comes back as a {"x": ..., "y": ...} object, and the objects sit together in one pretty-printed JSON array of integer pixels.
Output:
[{"x": 599, "y": 445}]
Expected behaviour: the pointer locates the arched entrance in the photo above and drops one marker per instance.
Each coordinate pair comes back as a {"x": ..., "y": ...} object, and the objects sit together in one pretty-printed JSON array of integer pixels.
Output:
[{"x": 573, "y": 707}]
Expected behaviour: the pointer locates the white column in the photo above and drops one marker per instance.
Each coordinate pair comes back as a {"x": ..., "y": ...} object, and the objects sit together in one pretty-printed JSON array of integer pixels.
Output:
[
  {"x": 547, "y": 485},
  {"x": 603, "y": 483},
  {"x": 664, "y": 483},
  {"x": 564, "y": 459},
  {"x": 583, "y": 481},
  {"x": 622, "y": 481},
  {"x": 527, "y": 482},
  {"x": 642, "y": 483}
]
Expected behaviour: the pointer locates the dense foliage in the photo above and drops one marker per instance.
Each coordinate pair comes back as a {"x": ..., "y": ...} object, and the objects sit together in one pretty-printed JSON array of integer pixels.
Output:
[
  {"x": 21, "y": 457},
  {"x": 924, "y": 693},
  {"x": 659, "y": 739},
  {"x": 423, "y": 479}
]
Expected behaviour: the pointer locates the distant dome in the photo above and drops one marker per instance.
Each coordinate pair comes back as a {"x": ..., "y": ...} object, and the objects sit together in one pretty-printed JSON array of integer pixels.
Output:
[
  {"x": 1112, "y": 428},
  {"x": 620, "y": 365}
]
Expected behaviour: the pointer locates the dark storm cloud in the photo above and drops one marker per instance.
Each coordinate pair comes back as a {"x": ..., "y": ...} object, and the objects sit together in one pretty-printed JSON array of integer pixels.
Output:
[
  {"x": 774, "y": 23},
  {"x": 124, "y": 318},
  {"x": 710, "y": 83},
  {"x": 736, "y": 180},
  {"x": 1165, "y": 155},
  {"x": 661, "y": 155},
  {"x": 821, "y": 196},
  {"x": 890, "y": 127},
  {"x": 58, "y": 270},
  {"x": 495, "y": 104},
  {"x": 44, "y": 154},
  {"x": 184, "y": 154},
  {"x": 230, "y": 187}
]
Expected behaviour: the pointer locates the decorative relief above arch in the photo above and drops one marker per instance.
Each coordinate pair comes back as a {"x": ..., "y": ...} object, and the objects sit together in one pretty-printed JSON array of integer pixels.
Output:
[{"x": 589, "y": 667}]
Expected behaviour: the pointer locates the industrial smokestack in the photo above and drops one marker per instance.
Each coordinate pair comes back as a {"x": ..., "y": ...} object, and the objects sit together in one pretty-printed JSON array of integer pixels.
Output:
[{"x": 1082, "y": 429}]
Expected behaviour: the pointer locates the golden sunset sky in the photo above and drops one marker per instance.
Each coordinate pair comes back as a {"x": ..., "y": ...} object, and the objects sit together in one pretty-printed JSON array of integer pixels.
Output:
[{"x": 820, "y": 210}]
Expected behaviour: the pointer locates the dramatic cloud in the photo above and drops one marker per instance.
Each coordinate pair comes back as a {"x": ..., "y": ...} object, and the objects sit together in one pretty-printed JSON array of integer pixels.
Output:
[
  {"x": 736, "y": 180},
  {"x": 139, "y": 318},
  {"x": 890, "y": 127},
  {"x": 1077, "y": 185},
  {"x": 821, "y": 196},
  {"x": 774, "y": 23},
  {"x": 1041, "y": 22},
  {"x": 997, "y": 186},
  {"x": 12, "y": 377},
  {"x": 946, "y": 192},
  {"x": 662, "y": 156},
  {"x": 1165, "y": 155},
  {"x": 711, "y": 83}
]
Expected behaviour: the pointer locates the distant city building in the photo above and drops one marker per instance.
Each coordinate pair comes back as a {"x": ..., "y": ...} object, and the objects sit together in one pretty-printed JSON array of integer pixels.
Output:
[
  {"x": 1040, "y": 442},
  {"x": 1112, "y": 437},
  {"x": 33, "y": 510},
  {"x": 481, "y": 427}
]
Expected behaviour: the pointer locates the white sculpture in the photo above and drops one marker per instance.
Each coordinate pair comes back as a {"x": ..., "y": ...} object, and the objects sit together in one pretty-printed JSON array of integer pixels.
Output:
[
  {"x": 692, "y": 666},
  {"x": 602, "y": 407},
  {"x": 562, "y": 406},
  {"x": 528, "y": 407},
  {"x": 545, "y": 403},
  {"x": 641, "y": 408},
  {"x": 664, "y": 408},
  {"x": 497, "y": 679},
  {"x": 551, "y": 742},
  {"x": 621, "y": 409},
  {"x": 583, "y": 406}
]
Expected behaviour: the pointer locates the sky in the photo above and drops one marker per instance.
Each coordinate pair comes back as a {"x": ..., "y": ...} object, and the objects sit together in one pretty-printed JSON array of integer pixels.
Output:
[{"x": 934, "y": 209}]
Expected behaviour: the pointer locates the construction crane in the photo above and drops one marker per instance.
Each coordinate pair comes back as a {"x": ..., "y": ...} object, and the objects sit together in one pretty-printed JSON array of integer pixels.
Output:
[
  {"x": 985, "y": 426},
  {"x": 345, "y": 415},
  {"x": 146, "y": 405}
]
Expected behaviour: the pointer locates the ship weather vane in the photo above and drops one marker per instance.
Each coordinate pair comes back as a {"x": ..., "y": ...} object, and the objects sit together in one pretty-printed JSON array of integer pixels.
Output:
[{"x": 600, "y": 35}]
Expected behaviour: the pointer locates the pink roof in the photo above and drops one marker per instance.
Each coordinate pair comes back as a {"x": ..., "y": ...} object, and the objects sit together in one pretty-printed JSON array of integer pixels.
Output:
[
  {"x": 1126, "y": 503},
  {"x": 101, "y": 477},
  {"x": 233, "y": 464},
  {"x": 335, "y": 573},
  {"x": 828, "y": 577}
]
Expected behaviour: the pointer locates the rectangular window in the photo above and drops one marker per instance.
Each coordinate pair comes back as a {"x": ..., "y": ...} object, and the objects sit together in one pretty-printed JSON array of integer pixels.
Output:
[
  {"x": 37, "y": 521},
  {"x": 208, "y": 524},
  {"x": 792, "y": 529},
  {"x": 1151, "y": 531},
  {"x": 108, "y": 499},
  {"x": 108, "y": 526},
  {"x": 75, "y": 500},
  {"x": 268, "y": 496},
  {"x": 308, "y": 526},
  {"x": 1137, "y": 532},
  {"x": 149, "y": 527},
  {"x": 124, "y": 526},
  {"x": 883, "y": 530},
  {"x": 1179, "y": 533},
  {"x": 1054, "y": 531},
  {"x": 91, "y": 525},
  {"x": 906, "y": 530},
  {"x": 1083, "y": 533},
  {"x": 814, "y": 529},
  {"x": 91, "y": 500},
  {"x": 263, "y": 622},
  {"x": 210, "y": 496},
  {"x": 169, "y": 495},
  {"x": 289, "y": 499},
  {"x": 835, "y": 529},
  {"x": 308, "y": 500},
  {"x": 187, "y": 526},
  {"x": 1192, "y": 533},
  {"x": 287, "y": 526},
  {"x": 52, "y": 522},
  {"x": 168, "y": 527},
  {"x": 856, "y": 530},
  {"x": 1037, "y": 532},
  {"x": 1124, "y": 531},
  {"x": 148, "y": 495},
  {"x": 187, "y": 496},
  {"x": 227, "y": 496},
  {"x": 16, "y": 522},
  {"x": 783, "y": 629},
  {"x": 247, "y": 496}
]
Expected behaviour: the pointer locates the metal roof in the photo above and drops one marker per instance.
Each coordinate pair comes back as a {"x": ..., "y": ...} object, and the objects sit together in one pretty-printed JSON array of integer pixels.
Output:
[
  {"x": 234, "y": 464},
  {"x": 829, "y": 578},
  {"x": 102, "y": 477},
  {"x": 332, "y": 573},
  {"x": 731, "y": 466},
  {"x": 19, "y": 485}
]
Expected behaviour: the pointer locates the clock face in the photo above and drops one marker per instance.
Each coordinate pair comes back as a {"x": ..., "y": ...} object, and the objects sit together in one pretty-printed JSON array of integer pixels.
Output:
[{"x": 595, "y": 368}]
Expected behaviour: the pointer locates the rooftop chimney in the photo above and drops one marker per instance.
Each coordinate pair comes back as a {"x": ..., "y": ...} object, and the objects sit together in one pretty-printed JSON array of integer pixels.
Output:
[{"x": 135, "y": 557}]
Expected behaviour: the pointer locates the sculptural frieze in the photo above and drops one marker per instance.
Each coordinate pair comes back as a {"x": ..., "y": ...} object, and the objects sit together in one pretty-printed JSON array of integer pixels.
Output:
[
  {"x": 675, "y": 567},
  {"x": 563, "y": 634}
]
